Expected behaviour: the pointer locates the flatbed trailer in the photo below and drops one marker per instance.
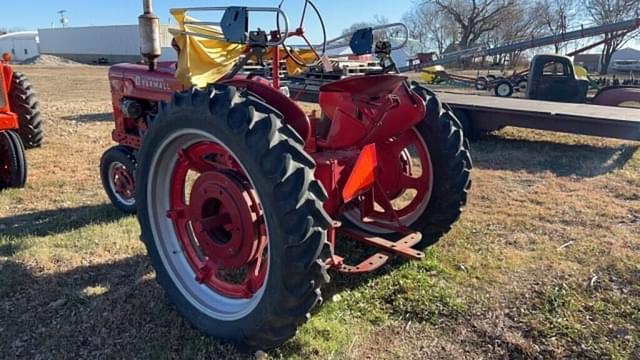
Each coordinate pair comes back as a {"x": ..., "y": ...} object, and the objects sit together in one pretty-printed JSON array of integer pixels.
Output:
[
  {"x": 485, "y": 113},
  {"x": 480, "y": 114}
]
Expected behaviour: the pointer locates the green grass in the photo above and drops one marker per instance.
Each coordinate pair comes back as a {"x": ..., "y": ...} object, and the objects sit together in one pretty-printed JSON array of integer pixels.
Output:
[{"x": 599, "y": 319}]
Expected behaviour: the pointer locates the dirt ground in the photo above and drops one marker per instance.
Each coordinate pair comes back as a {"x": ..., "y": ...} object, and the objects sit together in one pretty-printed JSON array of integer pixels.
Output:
[{"x": 543, "y": 264}]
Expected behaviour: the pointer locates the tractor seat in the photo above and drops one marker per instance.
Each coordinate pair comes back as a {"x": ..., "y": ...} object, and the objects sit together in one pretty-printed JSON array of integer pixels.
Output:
[{"x": 371, "y": 86}]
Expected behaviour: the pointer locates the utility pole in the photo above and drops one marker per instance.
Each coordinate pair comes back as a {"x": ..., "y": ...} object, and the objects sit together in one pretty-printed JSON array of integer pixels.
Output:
[{"x": 63, "y": 19}]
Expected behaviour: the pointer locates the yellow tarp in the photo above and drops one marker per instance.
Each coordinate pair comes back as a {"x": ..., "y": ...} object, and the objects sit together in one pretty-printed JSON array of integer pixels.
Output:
[
  {"x": 430, "y": 74},
  {"x": 203, "y": 61},
  {"x": 581, "y": 72}
]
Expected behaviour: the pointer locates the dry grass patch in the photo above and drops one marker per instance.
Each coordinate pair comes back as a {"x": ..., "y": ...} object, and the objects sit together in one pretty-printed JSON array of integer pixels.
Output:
[{"x": 543, "y": 263}]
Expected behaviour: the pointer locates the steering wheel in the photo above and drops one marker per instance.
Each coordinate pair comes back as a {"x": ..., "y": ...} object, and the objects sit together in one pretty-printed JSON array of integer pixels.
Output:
[{"x": 300, "y": 32}]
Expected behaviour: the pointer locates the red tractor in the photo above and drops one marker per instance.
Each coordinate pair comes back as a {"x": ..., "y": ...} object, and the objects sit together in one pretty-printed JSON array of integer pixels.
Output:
[
  {"x": 20, "y": 125},
  {"x": 245, "y": 201}
]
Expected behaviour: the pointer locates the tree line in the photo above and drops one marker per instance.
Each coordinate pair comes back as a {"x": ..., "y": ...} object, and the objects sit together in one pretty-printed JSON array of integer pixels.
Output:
[{"x": 448, "y": 25}]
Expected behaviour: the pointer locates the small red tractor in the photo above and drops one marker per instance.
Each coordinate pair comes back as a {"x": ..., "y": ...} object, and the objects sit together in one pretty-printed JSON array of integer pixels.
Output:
[
  {"x": 245, "y": 201},
  {"x": 20, "y": 125}
]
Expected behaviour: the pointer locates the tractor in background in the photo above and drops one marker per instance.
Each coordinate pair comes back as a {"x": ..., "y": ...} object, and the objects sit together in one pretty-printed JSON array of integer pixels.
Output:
[
  {"x": 245, "y": 201},
  {"x": 23, "y": 101},
  {"x": 20, "y": 124}
]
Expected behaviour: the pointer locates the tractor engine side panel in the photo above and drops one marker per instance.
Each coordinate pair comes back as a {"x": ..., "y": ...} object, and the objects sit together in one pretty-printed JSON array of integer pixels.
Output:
[{"x": 137, "y": 83}]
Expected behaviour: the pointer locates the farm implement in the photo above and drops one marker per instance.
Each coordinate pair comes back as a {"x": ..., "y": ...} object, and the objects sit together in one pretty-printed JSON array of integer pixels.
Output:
[
  {"x": 244, "y": 200},
  {"x": 518, "y": 81},
  {"x": 20, "y": 125}
]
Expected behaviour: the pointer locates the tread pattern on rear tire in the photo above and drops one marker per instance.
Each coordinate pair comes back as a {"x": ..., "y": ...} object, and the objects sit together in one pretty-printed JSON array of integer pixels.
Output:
[
  {"x": 24, "y": 102},
  {"x": 452, "y": 165},
  {"x": 17, "y": 159},
  {"x": 297, "y": 222}
]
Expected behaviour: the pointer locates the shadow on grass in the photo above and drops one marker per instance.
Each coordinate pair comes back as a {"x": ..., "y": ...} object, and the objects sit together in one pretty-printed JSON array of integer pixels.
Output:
[
  {"x": 112, "y": 310},
  {"x": 51, "y": 222},
  {"x": 536, "y": 156},
  {"x": 89, "y": 118}
]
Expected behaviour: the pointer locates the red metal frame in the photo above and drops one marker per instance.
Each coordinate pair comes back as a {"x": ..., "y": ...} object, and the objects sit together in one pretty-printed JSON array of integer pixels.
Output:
[
  {"x": 357, "y": 144},
  {"x": 8, "y": 120}
]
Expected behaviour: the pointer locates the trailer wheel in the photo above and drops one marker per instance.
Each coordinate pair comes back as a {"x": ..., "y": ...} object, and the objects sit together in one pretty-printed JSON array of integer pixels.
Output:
[
  {"x": 522, "y": 85},
  {"x": 24, "y": 102},
  {"x": 232, "y": 216},
  {"x": 481, "y": 83},
  {"x": 117, "y": 170},
  {"x": 13, "y": 164},
  {"x": 503, "y": 88},
  {"x": 439, "y": 145}
]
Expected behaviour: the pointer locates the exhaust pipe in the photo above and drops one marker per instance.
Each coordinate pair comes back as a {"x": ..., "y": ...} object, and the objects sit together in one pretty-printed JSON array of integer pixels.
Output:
[{"x": 149, "y": 29}]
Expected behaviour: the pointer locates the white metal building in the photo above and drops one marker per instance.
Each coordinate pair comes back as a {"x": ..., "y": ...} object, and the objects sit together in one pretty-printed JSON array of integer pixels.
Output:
[
  {"x": 100, "y": 44},
  {"x": 21, "y": 45}
]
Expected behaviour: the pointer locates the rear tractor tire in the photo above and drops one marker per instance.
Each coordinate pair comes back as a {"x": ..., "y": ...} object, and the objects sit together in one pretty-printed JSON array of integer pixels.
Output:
[
  {"x": 448, "y": 164},
  {"x": 232, "y": 216},
  {"x": 24, "y": 102},
  {"x": 118, "y": 171},
  {"x": 13, "y": 163}
]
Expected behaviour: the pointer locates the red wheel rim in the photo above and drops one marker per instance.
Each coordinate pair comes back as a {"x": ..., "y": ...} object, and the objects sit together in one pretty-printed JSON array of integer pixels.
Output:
[
  {"x": 219, "y": 221},
  {"x": 398, "y": 177},
  {"x": 123, "y": 182}
]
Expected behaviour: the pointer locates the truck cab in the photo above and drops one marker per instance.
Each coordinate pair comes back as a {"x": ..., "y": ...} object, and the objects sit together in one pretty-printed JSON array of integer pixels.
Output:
[{"x": 554, "y": 78}]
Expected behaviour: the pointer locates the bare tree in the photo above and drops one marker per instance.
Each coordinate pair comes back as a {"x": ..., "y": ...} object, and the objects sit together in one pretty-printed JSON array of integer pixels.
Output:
[
  {"x": 434, "y": 29},
  {"x": 474, "y": 17},
  {"x": 609, "y": 11},
  {"x": 555, "y": 17},
  {"x": 518, "y": 23}
]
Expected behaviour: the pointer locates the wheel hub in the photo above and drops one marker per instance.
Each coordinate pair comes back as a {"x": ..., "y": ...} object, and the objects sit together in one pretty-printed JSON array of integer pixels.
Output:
[
  {"x": 122, "y": 180},
  {"x": 221, "y": 228},
  {"x": 405, "y": 183},
  {"x": 503, "y": 89},
  {"x": 401, "y": 177},
  {"x": 222, "y": 212}
]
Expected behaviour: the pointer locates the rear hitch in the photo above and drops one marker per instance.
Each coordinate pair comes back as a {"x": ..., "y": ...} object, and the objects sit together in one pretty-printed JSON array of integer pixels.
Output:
[{"x": 402, "y": 247}]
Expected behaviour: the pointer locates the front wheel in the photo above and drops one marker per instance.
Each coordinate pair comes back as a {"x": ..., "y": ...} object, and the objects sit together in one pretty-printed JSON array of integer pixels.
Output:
[
  {"x": 232, "y": 216},
  {"x": 13, "y": 163},
  {"x": 117, "y": 170}
]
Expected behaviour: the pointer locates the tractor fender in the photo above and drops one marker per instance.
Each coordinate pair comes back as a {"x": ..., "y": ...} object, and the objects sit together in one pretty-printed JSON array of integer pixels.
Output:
[
  {"x": 6, "y": 74},
  {"x": 293, "y": 115},
  {"x": 626, "y": 96}
]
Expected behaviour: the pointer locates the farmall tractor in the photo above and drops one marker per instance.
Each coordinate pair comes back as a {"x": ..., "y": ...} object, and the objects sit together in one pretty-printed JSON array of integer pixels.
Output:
[
  {"x": 20, "y": 125},
  {"x": 245, "y": 201}
]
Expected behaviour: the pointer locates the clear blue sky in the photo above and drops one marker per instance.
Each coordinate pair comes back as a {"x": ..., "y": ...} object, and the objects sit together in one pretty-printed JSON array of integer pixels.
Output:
[{"x": 338, "y": 14}]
